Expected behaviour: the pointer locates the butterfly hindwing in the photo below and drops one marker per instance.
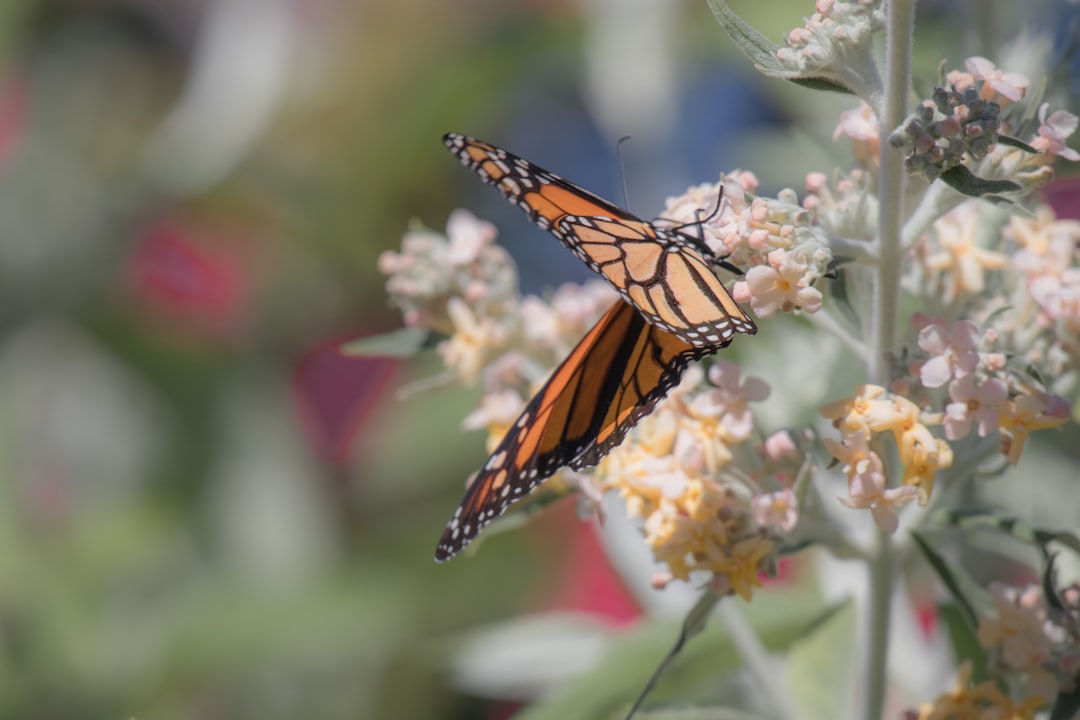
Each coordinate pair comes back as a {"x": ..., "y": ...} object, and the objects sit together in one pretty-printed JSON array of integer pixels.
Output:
[
  {"x": 615, "y": 376},
  {"x": 667, "y": 275}
]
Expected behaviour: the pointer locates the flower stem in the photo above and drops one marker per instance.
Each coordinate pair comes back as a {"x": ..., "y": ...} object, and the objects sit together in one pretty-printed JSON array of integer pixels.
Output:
[
  {"x": 762, "y": 668},
  {"x": 900, "y": 27},
  {"x": 875, "y": 631},
  {"x": 826, "y": 321},
  {"x": 881, "y": 567}
]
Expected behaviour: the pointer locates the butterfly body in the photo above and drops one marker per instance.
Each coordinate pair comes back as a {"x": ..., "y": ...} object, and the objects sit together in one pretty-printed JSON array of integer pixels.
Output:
[{"x": 673, "y": 311}]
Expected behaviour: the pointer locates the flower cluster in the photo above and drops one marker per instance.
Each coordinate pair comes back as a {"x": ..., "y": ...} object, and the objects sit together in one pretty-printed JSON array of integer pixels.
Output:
[
  {"x": 982, "y": 391},
  {"x": 953, "y": 128},
  {"x": 464, "y": 286},
  {"x": 702, "y": 512},
  {"x": 982, "y": 395},
  {"x": 1036, "y": 643},
  {"x": 1046, "y": 329},
  {"x": 774, "y": 237},
  {"x": 843, "y": 205},
  {"x": 863, "y": 420},
  {"x": 1018, "y": 276},
  {"x": 962, "y": 125},
  {"x": 959, "y": 262},
  {"x": 832, "y": 35},
  {"x": 964, "y": 702},
  {"x": 432, "y": 269}
]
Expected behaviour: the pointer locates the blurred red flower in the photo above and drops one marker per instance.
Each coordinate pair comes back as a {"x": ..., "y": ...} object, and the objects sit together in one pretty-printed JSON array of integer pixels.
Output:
[
  {"x": 1064, "y": 196},
  {"x": 192, "y": 279},
  {"x": 336, "y": 394}
]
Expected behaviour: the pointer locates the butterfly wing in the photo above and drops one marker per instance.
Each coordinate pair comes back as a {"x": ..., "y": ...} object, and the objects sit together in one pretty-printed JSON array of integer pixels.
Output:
[
  {"x": 614, "y": 377},
  {"x": 664, "y": 274}
]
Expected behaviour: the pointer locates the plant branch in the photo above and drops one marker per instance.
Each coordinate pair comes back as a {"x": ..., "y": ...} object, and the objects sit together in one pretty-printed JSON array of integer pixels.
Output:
[
  {"x": 938, "y": 200},
  {"x": 875, "y": 631},
  {"x": 881, "y": 569},
  {"x": 763, "y": 669},
  {"x": 900, "y": 27},
  {"x": 859, "y": 251},
  {"x": 828, "y": 322}
]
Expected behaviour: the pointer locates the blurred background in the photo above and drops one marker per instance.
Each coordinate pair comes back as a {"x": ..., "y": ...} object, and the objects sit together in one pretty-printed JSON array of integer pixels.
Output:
[{"x": 206, "y": 510}]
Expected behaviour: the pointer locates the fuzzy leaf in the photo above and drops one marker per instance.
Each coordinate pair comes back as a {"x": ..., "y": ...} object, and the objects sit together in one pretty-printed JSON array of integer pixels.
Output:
[
  {"x": 611, "y": 686},
  {"x": 964, "y": 641},
  {"x": 1012, "y": 526},
  {"x": 821, "y": 83},
  {"x": 959, "y": 584},
  {"x": 820, "y": 665},
  {"x": 522, "y": 658},
  {"x": 1019, "y": 144},
  {"x": 762, "y": 51},
  {"x": 693, "y": 624},
  {"x": 962, "y": 180},
  {"x": 1049, "y": 585},
  {"x": 759, "y": 49},
  {"x": 402, "y": 343}
]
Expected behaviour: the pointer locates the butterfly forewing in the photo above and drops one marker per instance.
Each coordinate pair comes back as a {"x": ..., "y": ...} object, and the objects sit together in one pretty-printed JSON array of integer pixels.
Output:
[
  {"x": 614, "y": 377},
  {"x": 665, "y": 274}
]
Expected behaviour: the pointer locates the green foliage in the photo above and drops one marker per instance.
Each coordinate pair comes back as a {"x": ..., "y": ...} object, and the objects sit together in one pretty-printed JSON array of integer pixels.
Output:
[
  {"x": 965, "y": 592},
  {"x": 693, "y": 624},
  {"x": 820, "y": 666},
  {"x": 962, "y": 180},
  {"x": 630, "y": 661},
  {"x": 402, "y": 343},
  {"x": 762, "y": 52}
]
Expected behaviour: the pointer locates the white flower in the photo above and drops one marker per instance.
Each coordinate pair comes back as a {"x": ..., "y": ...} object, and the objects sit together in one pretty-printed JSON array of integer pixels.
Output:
[
  {"x": 780, "y": 285},
  {"x": 974, "y": 404},
  {"x": 468, "y": 236},
  {"x": 952, "y": 351}
]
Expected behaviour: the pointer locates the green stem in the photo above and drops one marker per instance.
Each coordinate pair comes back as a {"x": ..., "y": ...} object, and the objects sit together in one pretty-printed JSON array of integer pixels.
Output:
[
  {"x": 827, "y": 322},
  {"x": 763, "y": 669},
  {"x": 938, "y": 200},
  {"x": 900, "y": 27},
  {"x": 875, "y": 632},
  {"x": 881, "y": 568}
]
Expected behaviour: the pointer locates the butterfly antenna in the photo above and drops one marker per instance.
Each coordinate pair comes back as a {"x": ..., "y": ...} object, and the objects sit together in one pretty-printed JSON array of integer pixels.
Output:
[
  {"x": 622, "y": 170},
  {"x": 699, "y": 237},
  {"x": 699, "y": 221}
]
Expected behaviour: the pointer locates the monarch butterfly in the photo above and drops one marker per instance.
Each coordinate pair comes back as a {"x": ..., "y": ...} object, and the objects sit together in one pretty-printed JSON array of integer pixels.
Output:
[{"x": 673, "y": 311}]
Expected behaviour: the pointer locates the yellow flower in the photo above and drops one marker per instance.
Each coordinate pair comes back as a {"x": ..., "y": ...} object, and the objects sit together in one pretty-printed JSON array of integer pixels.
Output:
[
  {"x": 671, "y": 473},
  {"x": 688, "y": 531},
  {"x": 497, "y": 412},
  {"x": 961, "y": 257},
  {"x": 1034, "y": 234},
  {"x": 742, "y": 566},
  {"x": 985, "y": 701},
  {"x": 851, "y": 414},
  {"x": 1024, "y": 414},
  {"x": 1017, "y": 629},
  {"x": 474, "y": 342},
  {"x": 922, "y": 464},
  {"x": 921, "y": 454}
]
